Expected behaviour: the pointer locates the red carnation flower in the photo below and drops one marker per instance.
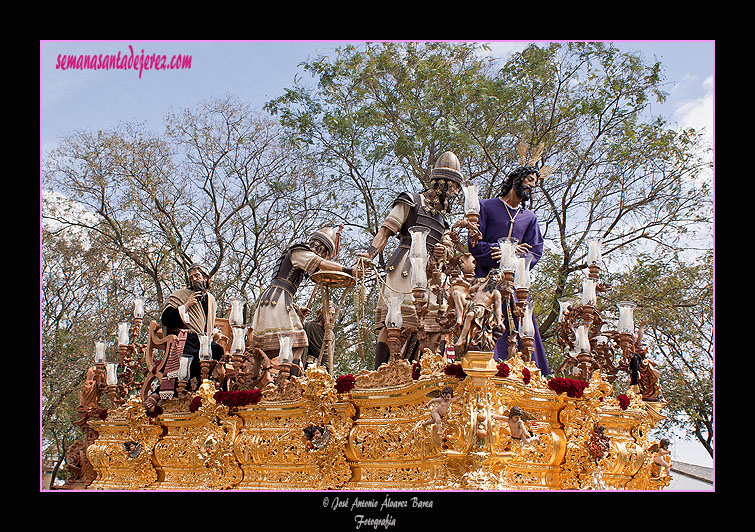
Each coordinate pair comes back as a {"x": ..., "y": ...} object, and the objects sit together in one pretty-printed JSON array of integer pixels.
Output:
[
  {"x": 345, "y": 383},
  {"x": 526, "y": 376},
  {"x": 195, "y": 404},
  {"x": 623, "y": 401},
  {"x": 455, "y": 370},
  {"x": 571, "y": 387},
  {"x": 416, "y": 370},
  {"x": 503, "y": 370},
  {"x": 102, "y": 415},
  {"x": 239, "y": 397}
]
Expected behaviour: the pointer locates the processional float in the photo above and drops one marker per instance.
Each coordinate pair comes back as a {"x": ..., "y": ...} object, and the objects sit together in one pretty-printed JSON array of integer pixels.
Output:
[{"x": 370, "y": 430}]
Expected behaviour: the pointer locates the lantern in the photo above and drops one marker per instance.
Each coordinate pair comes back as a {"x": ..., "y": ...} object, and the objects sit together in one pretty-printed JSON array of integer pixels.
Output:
[
  {"x": 471, "y": 199},
  {"x": 507, "y": 246},
  {"x": 626, "y": 316},
  {"x": 394, "y": 319}
]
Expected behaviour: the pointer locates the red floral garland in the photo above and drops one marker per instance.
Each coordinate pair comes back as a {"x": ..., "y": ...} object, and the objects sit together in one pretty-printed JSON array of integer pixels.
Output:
[
  {"x": 238, "y": 397},
  {"x": 345, "y": 383},
  {"x": 623, "y": 401},
  {"x": 571, "y": 387}
]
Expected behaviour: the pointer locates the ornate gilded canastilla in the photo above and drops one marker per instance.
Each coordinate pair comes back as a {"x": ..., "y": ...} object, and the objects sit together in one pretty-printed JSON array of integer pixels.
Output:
[{"x": 373, "y": 436}]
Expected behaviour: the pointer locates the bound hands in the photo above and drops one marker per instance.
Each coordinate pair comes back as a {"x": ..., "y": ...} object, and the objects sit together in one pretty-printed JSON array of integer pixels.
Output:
[{"x": 495, "y": 252}]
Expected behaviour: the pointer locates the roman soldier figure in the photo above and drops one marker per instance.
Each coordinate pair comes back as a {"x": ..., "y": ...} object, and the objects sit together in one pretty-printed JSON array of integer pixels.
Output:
[
  {"x": 275, "y": 313},
  {"x": 428, "y": 209}
]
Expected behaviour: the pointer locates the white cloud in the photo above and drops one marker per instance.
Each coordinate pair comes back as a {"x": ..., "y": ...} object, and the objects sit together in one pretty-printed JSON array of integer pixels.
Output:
[{"x": 698, "y": 113}]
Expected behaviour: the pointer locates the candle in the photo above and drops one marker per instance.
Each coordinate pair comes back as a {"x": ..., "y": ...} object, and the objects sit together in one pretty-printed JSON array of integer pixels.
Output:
[
  {"x": 236, "y": 318},
  {"x": 626, "y": 318},
  {"x": 183, "y": 369},
  {"x": 527, "y": 326},
  {"x": 123, "y": 333},
  {"x": 588, "y": 292},
  {"x": 239, "y": 344},
  {"x": 471, "y": 198},
  {"x": 522, "y": 271},
  {"x": 418, "y": 246},
  {"x": 563, "y": 305},
  {"x": 286, "y": 353},
  {"x": 138, "y": 307},
  {"x": 508, "y": 253},
  {"x": 419, "y": 272},
  {"x": 204, "y": 347},
  {"x": 583, "y": 341},
  {"x": 593, "y": 251},
  {"x": 112, "y": 375},
  {"x": 99, "y": 351},
  {"x": 394, "y": 319}
]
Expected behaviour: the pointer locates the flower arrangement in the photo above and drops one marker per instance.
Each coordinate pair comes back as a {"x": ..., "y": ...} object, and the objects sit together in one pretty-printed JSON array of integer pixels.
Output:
[
  {"x": 526, "y": 375},
  {"x": 416, "y": 370},
  {"x": 571, "y": 387},
  {"x": 455, "y": 370},
  {"x": 623, "y": 401},
  {"x": 503, "y": 370},
  {"x": 238, "y": 397},
  {"x": 345, "y": 383},
  {"x": 195, "y": 404}
]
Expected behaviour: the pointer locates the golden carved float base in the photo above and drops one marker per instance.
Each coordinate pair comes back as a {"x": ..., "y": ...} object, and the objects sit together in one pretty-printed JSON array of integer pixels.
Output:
[{"x": 376, "y": 437}]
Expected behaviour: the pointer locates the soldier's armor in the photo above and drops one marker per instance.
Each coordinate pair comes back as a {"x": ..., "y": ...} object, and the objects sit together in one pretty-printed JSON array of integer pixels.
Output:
[
  {"x": 418, "y": 216},
  {"x": 286, "y": 279}
]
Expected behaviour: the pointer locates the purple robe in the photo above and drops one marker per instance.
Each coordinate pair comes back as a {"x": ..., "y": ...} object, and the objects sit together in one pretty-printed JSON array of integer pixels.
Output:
[{"x": 494, "y": 224}]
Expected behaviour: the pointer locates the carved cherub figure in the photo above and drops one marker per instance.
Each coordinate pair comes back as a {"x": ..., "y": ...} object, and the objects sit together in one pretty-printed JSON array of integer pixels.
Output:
[
  {"x": 316, "y": 436},
  {"x": 443, "y": 403},
  {"x": 661, "y": 449},
  {"x": 516, "y": 419}
]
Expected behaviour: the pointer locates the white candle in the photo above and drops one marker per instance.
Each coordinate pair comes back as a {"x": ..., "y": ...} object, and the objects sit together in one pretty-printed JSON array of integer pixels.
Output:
[
  {"x": 99, "y": 351},
  {"x": 508, "y": 253},
  {"x": 138, "y": 307},
  {"x": 583, "y": 340},
  {"x": 471, "y": 198},
  {"x": 588, "y": 292},
  {"x": 626, "y": 316},
  {"x": 112, "y": 376},
  {"x": 123, "y": 333},
  {"x": 286, "y": 353},
  {"x": 239, "y": 344},
  {"x": 393, "y": 318},
  {"x": 204, "y": 347},
  {"x": 236, "y": 318},
  {"x": 563, "y": 306},
  {"x": 522, "y": 272},
  {"x": 527, "y": 326},
  {"x": 418, "y": 246},
  {"x": 593, "y": 251},
  {"x": 183, "y": 369},
  {"x": 419, "y": 272}
]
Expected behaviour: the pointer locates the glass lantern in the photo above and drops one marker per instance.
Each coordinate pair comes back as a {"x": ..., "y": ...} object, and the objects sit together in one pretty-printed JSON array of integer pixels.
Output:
[
  {"x": 286, "y": 353},
  {"x": 205, "y": 351},
  {"x": 507, "y": 246},
  {"x": 183, "y": 368},
  {"x": 626, "y": 316},
  {"x": 419, "y": 272},
  {"x": 522, "y": 271},
  {"x": 236, "y": 318},
  {"x": 138, "y": 307},
  {"x": 394, "y": 319},
  {"x": 583, "y": 340},
  {"x": 593, "y": 251},
  {"x": 471, "y": 198},
  {"x": 123, "y": 328},
  {"x": 527, "y": 325},
  {"x": 99, "y": 351},
  {"x": 418, "y": 247},
  {"x": 588, "y": 292},
  {"x": 239, "y": 341},
  {"x": 111, "y": 376}
]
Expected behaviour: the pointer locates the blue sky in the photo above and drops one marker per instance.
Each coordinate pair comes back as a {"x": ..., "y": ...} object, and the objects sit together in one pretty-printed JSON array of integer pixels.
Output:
[{"x": 257, "y": 71}]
